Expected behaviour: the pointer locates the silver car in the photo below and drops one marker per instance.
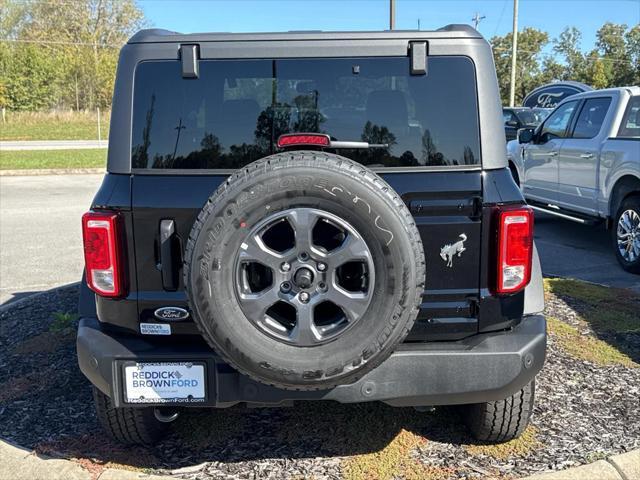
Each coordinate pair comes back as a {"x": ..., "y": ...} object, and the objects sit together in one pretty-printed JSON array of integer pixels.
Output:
[{"x": 583, "y": 164}]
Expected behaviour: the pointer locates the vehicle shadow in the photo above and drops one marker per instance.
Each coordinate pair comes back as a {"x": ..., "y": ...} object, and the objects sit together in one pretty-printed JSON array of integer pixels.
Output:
[
  {"x": 17, "y": 296},
  {"x": 46, "y": 405},
  {"x": 239, "y": 434}
]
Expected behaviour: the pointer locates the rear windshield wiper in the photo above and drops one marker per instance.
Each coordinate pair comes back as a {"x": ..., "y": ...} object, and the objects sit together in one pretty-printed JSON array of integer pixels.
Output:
[
  {"x": 321, "y": 140},
  {"x": 348, "y": 144}
]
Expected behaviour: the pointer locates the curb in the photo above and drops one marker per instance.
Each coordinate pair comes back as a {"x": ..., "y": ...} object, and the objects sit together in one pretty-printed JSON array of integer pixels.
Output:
[
  {"x": 17, "y": 463},
  {"x": 50, "y": 171},
  {"x": 21, "y": 464},
  {"x": 625, "y": 466}
]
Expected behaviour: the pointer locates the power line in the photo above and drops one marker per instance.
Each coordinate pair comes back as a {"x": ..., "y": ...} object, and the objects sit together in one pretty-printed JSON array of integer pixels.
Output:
[
  {"x": 62, "y": 42},
  {"x": 586, "y": 57},
  {"x": 504, "y": 4}
]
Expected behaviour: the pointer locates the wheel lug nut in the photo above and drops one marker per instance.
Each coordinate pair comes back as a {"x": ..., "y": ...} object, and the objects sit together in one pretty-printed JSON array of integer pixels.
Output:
[
  {"x": 285, "y": 287},
  {"x": 285, "y": 267},
  {"x": 304, "y": 297},
  {"x": 321, "y": 267}
]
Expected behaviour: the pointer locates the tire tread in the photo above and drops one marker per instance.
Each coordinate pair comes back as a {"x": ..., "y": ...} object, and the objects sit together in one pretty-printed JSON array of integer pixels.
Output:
[
  {"x": 502, "y": 420},
  {"x": 326, "y": 161},
  {"x": 126, "y": 425}
]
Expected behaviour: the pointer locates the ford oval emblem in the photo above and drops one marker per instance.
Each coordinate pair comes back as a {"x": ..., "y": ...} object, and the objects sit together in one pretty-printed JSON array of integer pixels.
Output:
[{"x": 171, "y": 314}]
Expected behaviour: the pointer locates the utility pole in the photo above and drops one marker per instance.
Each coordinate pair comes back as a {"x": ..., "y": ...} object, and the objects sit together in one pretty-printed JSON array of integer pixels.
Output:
[
  {"x": 476, "y": 19},
  {"x": 178, "y": 128},
  {"x": 392, "y": 14},
  {"x": 514, "y": 55}
]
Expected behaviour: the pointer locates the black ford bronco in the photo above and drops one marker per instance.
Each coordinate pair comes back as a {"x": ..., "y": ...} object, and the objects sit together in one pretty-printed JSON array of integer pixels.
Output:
[{"x": 309, "y": 216}]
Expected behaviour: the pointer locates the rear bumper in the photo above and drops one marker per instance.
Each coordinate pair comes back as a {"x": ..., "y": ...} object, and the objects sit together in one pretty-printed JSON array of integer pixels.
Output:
[{"x": 485, "y": 367}]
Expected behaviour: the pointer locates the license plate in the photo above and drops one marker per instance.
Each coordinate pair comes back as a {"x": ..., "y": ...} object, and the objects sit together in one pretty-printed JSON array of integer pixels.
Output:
[{"x": 180, "y": 382}]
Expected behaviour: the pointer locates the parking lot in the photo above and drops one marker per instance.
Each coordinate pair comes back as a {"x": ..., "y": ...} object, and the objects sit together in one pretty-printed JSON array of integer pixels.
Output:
[
  {"x": 40, "y": 238},
  {"x": 40, "y": 234},
  {"x": 569, "y": 249}
]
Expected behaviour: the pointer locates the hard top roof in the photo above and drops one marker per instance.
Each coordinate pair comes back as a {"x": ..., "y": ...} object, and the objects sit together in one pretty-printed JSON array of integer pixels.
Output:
[{"x": 156, "y": 35}]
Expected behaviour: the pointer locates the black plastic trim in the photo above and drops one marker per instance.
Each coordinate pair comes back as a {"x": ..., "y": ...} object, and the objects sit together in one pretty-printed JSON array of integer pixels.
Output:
[{"x": 482, "y": 368}]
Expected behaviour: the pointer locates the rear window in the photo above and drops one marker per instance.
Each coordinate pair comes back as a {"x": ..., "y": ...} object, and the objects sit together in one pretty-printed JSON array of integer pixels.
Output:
[
  {"x": 630, "y": 126},
  {"x": 234, "y": 112}
]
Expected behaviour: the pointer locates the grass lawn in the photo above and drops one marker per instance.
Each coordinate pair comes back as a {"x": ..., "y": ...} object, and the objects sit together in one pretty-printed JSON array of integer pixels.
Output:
[
  {"x": 605, "y": 320},
  {"x": 35, "y": 159},
  {"x": 54, "y": 126}
]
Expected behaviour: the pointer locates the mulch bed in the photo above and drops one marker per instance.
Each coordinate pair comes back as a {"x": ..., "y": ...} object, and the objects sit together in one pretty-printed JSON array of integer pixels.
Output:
[{"x": 584, "y": 412}]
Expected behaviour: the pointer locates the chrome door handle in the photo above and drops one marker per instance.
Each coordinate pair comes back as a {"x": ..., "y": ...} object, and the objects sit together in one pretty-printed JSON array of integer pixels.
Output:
[
  {"x": 553, "y": 153},
  {"x": 586, "y": 155}
]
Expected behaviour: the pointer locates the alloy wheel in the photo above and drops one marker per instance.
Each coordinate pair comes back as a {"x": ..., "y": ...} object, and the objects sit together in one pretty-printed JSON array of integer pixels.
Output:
[
  {"x": 304, "y": 276},
  {"x": 628, "y": 235}
]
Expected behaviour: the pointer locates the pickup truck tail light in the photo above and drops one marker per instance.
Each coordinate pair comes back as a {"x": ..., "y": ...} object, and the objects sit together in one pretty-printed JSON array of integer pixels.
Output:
[
  {"x": 102, "y": 253},
  {"x": 514, "y": 249}
]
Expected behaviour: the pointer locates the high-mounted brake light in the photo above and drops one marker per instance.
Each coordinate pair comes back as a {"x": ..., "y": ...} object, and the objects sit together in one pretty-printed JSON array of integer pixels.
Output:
[
  {"x": 100, "y": 232},
  {"x": 514, "y": 249},
  {"x": 304, "y": 139}
]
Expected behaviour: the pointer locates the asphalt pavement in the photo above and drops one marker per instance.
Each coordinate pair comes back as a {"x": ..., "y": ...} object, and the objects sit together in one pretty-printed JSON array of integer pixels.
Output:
[
  {"x": 40, "y": 231},
  {"x": 41, "y": 238},
  {"x": 570, "y": 249}
]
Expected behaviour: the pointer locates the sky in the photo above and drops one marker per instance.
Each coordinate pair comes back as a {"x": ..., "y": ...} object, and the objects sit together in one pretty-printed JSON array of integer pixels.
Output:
[{"x": 282, "y": 15}]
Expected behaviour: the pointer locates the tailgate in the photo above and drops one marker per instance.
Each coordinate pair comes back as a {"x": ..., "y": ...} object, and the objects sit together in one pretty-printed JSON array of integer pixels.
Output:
[{"x": 445, "y": 205}]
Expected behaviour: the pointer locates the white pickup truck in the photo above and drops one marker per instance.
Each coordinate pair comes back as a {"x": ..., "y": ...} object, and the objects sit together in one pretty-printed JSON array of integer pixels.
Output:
[{"x": 583, "y": 164}]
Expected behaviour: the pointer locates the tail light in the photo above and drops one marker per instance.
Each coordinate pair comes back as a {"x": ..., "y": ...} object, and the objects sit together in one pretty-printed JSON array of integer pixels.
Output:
[
  {"x": 514, "y": 249},
  {"x": 102, "y": 253}
]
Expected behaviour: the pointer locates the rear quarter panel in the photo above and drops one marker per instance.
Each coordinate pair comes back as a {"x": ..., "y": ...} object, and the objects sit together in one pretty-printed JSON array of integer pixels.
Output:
[{"x": 619, "y": 158}]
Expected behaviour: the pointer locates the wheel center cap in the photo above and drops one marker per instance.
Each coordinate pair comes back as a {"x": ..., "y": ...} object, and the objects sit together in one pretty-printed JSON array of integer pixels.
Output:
[{"x": 303, "y": 278}]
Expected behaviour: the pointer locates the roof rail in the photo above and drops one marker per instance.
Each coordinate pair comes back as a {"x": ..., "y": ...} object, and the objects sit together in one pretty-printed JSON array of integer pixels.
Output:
[
  {"x": 142, "y": 35},
  {"x": 457, "y": 27}
]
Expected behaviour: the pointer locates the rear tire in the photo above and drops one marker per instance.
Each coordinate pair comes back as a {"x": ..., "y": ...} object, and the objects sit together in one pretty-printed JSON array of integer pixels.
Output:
[
  {"x": 129, "y": 426},
  {"x": 630, "y": 208},
  {"x": 501, "y": 420}
]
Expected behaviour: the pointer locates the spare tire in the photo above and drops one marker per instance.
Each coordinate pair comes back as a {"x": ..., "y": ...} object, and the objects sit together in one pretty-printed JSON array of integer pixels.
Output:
[{"x": 304, "y": 270}]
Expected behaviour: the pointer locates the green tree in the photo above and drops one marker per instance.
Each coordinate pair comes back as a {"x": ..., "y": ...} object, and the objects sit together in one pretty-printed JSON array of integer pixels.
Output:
[
  {"x": 27, "y": 83},
  {"x": 614, "y": 62},
  {"x": 567, "y": 46},
  {"x": 531, "y": 41},
  {"x": 552, "y": 70},
  {"x": 80, "y": 38},
  {"x": 613, "y": 50},
  {"x": 596, "y": 72},
  {"x": 632, "y": 40}
]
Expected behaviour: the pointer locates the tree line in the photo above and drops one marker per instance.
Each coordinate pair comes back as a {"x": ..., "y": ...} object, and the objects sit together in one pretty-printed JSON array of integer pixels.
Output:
[
  {"x": 63, "y": 55},
  {"x": 614, "y": 61}
]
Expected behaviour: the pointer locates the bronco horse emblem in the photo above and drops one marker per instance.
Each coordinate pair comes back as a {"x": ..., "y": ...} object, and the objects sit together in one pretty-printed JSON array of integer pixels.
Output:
[{"x": 448, "y": 251}]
